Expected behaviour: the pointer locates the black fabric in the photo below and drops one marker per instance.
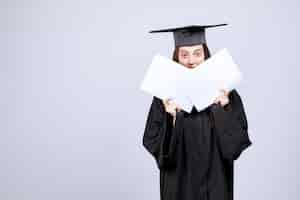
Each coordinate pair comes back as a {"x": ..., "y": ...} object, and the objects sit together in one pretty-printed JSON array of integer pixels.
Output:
[
  {"x": 231, "y": 127},
  {"x": 191, "y": 28},
  {"x": 195, "y": 158},
  {"x": 188, "y": 35}
]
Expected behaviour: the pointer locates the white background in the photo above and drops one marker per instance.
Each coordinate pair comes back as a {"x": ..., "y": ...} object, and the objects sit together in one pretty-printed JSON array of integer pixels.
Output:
[{"x": 72, "y": 115}]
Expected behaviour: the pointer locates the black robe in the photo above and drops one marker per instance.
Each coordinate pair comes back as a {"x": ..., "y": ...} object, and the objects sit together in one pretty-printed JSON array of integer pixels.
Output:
[{"x": 196, "y": 156}]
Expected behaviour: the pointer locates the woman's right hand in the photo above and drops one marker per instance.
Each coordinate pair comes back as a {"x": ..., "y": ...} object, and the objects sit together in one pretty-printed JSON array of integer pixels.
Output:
[{"x": 171, "y": 107}]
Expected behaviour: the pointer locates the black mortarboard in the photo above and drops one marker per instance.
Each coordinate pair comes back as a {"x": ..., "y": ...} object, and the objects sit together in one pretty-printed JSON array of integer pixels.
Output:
[{"x": 188, "y": 35}]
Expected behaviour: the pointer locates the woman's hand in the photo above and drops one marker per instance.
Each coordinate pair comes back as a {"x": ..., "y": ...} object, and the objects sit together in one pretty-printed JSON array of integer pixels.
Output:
[
  {"x": 223, "y": 99},
  {"x": 171, "y": 107}
]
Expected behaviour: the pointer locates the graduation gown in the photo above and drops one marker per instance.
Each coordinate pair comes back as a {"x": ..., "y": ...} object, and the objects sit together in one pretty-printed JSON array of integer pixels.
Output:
[{"x": 195, "y": 157}]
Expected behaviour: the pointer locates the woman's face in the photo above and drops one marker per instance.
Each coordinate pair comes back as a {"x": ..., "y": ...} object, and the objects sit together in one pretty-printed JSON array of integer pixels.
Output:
[{"x": 191, "y": 56}]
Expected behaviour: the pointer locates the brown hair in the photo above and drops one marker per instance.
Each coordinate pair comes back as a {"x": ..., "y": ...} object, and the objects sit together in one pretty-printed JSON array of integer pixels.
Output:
[{"x": 205, "y": 48}]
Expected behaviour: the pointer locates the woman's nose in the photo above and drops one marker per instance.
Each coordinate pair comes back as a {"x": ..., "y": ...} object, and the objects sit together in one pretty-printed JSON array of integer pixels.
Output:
[{"x": 191, "y": 61}]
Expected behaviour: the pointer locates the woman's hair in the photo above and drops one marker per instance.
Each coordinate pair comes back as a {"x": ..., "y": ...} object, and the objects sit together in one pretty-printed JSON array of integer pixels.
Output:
[{"x": 205, "y": 48}]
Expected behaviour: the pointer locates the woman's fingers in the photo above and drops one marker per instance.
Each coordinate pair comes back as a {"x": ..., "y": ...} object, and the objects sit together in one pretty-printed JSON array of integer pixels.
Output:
[
  {"x": 167, "y": 101},
  {"x": 222, "y": 99},
  {"x": 224, "y": 92},
  {"x": 218, "y": 99},
  {"x": 171, "y": 106}
]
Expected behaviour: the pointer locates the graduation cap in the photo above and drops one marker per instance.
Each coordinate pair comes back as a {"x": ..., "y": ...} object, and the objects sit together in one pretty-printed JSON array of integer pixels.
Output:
[{"x": 188, "y": 35}]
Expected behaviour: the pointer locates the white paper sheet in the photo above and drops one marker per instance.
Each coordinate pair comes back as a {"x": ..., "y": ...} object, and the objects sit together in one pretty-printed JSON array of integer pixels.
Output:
[
  {"x": 165, "y": 78},
  {"x": 198, "y": 86}
]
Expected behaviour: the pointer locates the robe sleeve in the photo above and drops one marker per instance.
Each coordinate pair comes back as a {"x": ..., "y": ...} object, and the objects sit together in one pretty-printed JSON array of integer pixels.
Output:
[
  {"x": 231, "y": 127},
  {"x": 160, "y": 137}
]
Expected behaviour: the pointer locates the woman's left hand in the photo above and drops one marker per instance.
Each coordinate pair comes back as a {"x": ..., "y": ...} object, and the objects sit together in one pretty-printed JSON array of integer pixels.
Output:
[{"x": 223, "y": 99}]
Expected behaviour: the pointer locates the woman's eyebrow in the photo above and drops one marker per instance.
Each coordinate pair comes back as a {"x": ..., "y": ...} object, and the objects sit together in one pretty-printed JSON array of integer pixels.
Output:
[{"x": 197, "y": 50}]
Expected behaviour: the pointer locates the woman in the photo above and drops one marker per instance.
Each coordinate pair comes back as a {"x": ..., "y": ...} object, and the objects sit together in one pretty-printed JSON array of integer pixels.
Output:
[
  {"x": 190, "y": 57},
  {"x": 195, "y": 151}
]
